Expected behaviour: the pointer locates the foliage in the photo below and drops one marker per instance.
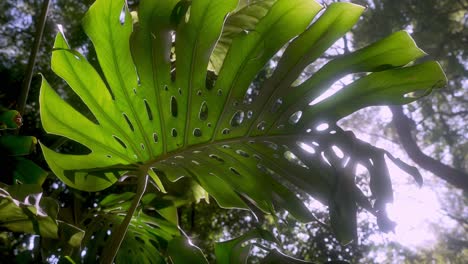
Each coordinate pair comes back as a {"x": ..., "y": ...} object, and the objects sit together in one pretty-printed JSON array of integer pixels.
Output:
[
  {"x": 13, "y": 147},
  {"x": 24, "y": 210},
  {"x": 189, "y": 109}
]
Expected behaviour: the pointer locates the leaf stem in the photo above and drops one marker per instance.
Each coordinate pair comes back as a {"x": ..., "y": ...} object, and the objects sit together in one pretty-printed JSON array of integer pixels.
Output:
[
  {"x": 32, "y": 58},
  {"x": 116, "y": 239}
]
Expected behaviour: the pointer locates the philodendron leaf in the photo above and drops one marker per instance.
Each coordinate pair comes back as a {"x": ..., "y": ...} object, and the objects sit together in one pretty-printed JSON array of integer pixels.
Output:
[{"x": 158, "y": 107}]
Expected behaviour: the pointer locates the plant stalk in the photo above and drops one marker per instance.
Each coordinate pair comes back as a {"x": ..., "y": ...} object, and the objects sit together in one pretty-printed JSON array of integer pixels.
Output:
[
  {"x": 23, "y": 96},
  {"x": 117, "y": 237}
]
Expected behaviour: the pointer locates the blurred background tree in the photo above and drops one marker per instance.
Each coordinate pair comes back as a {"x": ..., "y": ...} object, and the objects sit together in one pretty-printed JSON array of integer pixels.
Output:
[{"x": 432, "y": 132}]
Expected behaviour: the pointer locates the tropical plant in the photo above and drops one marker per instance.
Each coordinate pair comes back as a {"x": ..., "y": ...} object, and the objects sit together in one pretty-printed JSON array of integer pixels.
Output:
[
  {"x": 13, "y": 148},
  {"x": 175, "y": 104},
  {"x": 22, "y": 207}
]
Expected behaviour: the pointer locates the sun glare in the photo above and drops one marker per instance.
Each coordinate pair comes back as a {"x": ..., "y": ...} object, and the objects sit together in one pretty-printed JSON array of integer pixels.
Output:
[{"x": 413, "y": 209}]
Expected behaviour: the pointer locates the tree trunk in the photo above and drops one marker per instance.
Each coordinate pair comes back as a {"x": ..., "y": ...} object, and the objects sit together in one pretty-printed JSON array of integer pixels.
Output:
[{"x": 453, "y": 176}]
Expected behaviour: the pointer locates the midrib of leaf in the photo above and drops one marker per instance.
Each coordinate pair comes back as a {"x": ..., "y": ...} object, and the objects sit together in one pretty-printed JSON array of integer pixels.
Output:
[
  {"x": 271, "y": 163},
  {"x": 127, "y": 97},
  {"x": 244, "y": 62},
  {"x": 208, "y": 144},
  {"x": 109, "y": 119},
  {"x": 158, "y": 97},
  {"x": 189, "y": 99}
]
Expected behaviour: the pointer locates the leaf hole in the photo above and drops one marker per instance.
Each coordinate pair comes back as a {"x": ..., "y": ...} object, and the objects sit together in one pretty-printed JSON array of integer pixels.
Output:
[
  {"x": 122, "y": 16},
  {"x": 166, "y": 88},
  {"x": 249, "y": 114},
  {"x": 128, "y": 122},
  {"x": 271, "y": 145},
  {"x": 338, "y": 152},
  {"x": 261, "y": 125},
  {"x": 187, "y": 15},
  {"x": 199, "y": 92},
  {"x": 197, "y": 132},
  {"x": 291, "y": 157},
  {"x": 213, "y": 156},
  {"x": 234, "y": 171},
  {"x": 257, "y": 157},
  {"x": 155, "y": 138},
  {"x": 203, "y": 114},
  {"x": 219, "y": 92},
  {"x": 173, "y": 106},
  {"x": 196, "y": 162},
  {"x": 137, "y": 238},
  {"x": 180, "y": 91},
  {"x": 322, "y": 127},
  {"x": 148, "y": 110},
  {"x": 174, "y": 132},
  {"x": 226, "y": 146},
  {"x": 210, "y": 80},
  {"x": 142, "y": 146},
  {"x": 276, "y": 105},
  {"x": 119, "y": 141},
  {"x": 237, "y": 119},
  {"x": 294, "y": 118},
  {"x": 226, "y": 131},
  {"x": 252, "y": 92},
  {"x": 242, "y": 153},
  {"x": 306, "y": 147},
  {"x": 109, "y": 156}
]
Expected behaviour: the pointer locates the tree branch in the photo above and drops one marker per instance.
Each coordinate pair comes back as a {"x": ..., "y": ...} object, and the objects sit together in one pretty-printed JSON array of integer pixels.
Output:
[
  {"x": 453, "y": 176},
  {"x": 117, "y": 237}
]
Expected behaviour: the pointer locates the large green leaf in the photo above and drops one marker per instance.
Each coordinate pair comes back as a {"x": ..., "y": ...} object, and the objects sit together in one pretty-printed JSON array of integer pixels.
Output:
[{"x": 158, "y": 108}]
